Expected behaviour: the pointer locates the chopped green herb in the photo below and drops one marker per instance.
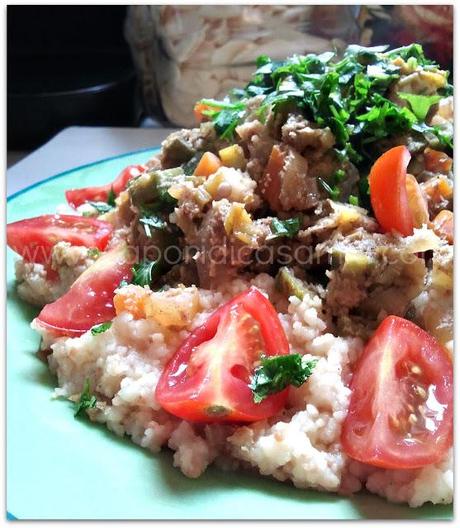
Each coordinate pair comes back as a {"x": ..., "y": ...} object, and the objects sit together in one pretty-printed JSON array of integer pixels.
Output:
[
  {"x": 93, "y": 252},
  {"x": 353, "y": 200},
  {"x": 101, "y": 207},
  {"x": 334, "y": 192},
  {"x": 277, "y": 372},
  {"x": 145, "y": 272},
  {"x": 111, "y": 197},
  {"x": 154, "y": 222},
  {"x": 339, "y": 175},
  {"x": 86, "y": 401},
  {"x": 285, "y": 228},
  {"x": 420, "y": 104},
  {"x": 123, "y": 283},
  {"x": 351, "y": 96},
  {"x": 101, "y": 328}
]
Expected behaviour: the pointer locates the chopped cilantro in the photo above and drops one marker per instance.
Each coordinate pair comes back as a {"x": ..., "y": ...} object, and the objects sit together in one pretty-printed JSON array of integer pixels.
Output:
[
  {"x": 152, "y": 221},
  {"x": 93, "y": 252},
  {"x": 285, "y": 228},
  {"x": 353, "y": 200},
  {"x": 101, "y": 328},
  {"x": 350, "y": 95},
  {"x": 101, "y": 207},
  {"x": 86, "y": 401},
  {"x": 145, "y": 272},
  {"x": 123, "y": 283},
  {"x": 111, "y": 197},
  {"x": 277, "y": 372},
  {"x": 334, "y": 192},
  {"x": 420, "y": 104}
]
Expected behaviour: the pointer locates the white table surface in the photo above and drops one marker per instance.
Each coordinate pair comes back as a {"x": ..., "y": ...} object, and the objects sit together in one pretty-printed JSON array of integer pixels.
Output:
[{"x": 76, "y": 146}]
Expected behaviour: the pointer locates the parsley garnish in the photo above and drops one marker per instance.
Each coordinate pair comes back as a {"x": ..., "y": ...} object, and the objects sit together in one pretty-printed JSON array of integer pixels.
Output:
[
  {"x": 353, "y": 200},
  {"x": 277, "y": 372},
  {"x": 104, "y": 207},
  {"x": 285, "y": 228},
  {"x": 351, "y": 96},
  {"x": 420, "y": 104},
  {"x": 145, "y": 272},
  {"x": 101, "y": 328},
  {"x": 87, "y": 400},
  {"x": 93, "y": 252},
  {"x": 334, "y": 192},
  {"x": 101, "y": 207},
  {"x": 154, "y": 222},
  {"x": 111, "y": 197}
]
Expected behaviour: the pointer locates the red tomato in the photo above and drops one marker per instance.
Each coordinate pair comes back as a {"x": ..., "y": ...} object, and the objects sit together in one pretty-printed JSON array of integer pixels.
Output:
[
  {"x": 387, "y": 183},
  {"x": 90, "y": 299},
  {"x": 401, "y": 407},
  {"x": 34, "y": 238},
  {"x": 76, "y": 197},
  {"x": 207, "y": 379}
]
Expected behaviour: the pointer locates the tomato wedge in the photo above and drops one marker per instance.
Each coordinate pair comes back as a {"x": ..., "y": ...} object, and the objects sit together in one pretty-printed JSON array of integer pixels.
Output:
[
  {"x": 207, "y": 379},
  {"x": 401, "y": 407},
  {"x": 387, "y": 183},
  {"x": 90, "y": 299},
  {"x": 34, "y": 238},
  {"x": 76, "y": 197}
]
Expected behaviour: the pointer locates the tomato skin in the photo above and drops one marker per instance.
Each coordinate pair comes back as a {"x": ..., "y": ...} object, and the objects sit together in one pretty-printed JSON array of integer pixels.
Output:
[
  {"x": 77, "y": 197},
  {"x": 90, "y": 299},
  {"x": 384, "y": 393},
  {"x": 34, "y": 238},
  {"x": 387, "y": 184},
  {"x": 191, "y": 397}
]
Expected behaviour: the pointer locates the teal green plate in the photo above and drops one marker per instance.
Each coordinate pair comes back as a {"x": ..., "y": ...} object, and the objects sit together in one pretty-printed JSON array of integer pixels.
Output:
[{"x": 59, "y": 467}]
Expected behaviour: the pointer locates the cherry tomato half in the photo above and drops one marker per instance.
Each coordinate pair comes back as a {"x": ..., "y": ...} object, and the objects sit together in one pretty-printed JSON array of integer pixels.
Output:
[
  {"x": 34, "y": 238},
  {"x": 401, "y": 407},
  {"x": 76, "y": 197},
  {"x": 207, "y": 379},
  {"x": 90, "y": 299}
]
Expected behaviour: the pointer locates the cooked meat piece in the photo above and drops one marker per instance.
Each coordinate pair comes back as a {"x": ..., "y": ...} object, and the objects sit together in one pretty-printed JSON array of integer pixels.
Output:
[
  {"x": 330, "y": 216},
  {"x": 302, "y": 135},
  {"x": 434, "y": 306},
  {"x": 372, "y": 273},
  {"x": 225, "y": 241},
  {"x": 256, "y": 141}
]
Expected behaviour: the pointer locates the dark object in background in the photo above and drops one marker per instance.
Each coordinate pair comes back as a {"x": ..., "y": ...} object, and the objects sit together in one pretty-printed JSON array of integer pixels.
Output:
[
  {"x": 67, "y": 65},
  {"x": 400, "y": 25}
]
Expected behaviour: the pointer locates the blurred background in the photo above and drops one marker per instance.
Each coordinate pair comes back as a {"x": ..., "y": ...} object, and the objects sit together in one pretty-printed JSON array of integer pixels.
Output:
[{"x": 145, "y": 66}]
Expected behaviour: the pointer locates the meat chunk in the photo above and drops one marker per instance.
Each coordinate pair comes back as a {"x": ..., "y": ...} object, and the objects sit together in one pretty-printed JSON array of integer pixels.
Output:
[
  {"x": 225, "y": 241},
  {"x": 302, "y": 135},
  {"x": 371, "y": 274},
  {"x": 286, "y": 184}
]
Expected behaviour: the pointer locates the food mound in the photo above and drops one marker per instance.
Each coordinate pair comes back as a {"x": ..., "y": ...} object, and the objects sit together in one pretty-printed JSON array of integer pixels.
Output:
[{"x": 273, "y": 290}]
